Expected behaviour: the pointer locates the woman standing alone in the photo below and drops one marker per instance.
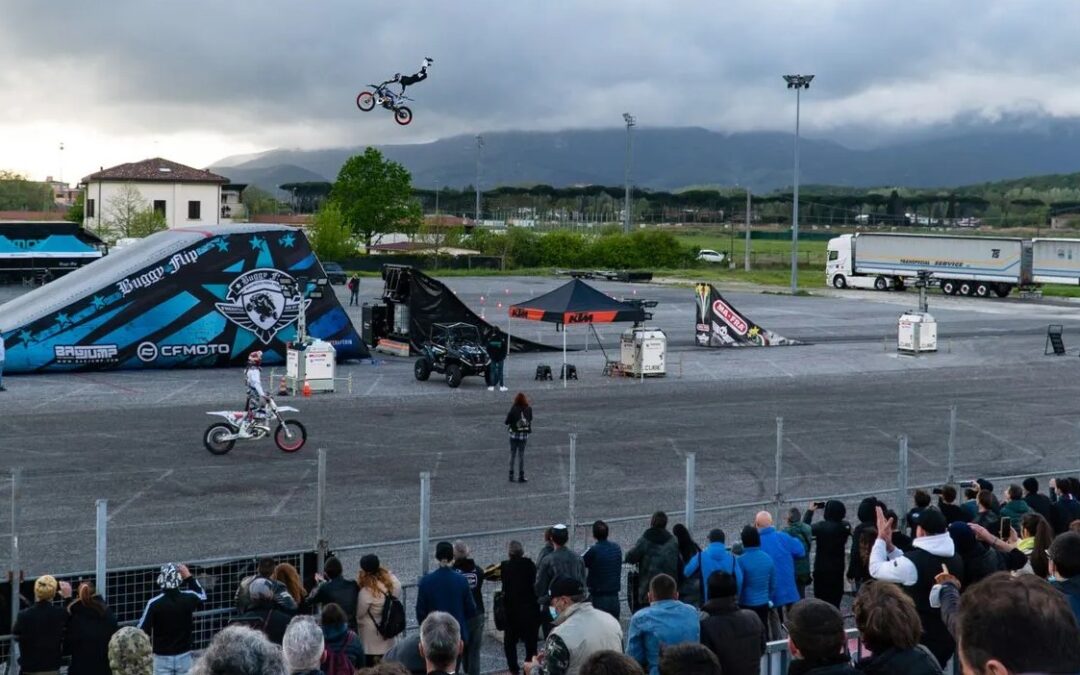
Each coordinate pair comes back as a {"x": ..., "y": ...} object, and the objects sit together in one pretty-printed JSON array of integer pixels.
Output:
[{"x": 519, "y": 422}]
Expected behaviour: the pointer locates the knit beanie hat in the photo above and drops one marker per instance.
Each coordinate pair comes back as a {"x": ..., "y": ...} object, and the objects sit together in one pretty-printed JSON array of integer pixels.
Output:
[
  {"x": 130, "y": 652},
  {"x": 370, "y": 563},
  {"x": 45, "y": 588},
  {"x": 303, "y": 644}
]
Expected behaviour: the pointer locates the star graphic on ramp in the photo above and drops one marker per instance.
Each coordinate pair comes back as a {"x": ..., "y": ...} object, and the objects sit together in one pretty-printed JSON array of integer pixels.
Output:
[
  {"x": 26, "y": 336},
  {"x": 98, "y": 302},
  {"x": 754, "y": 331},
  {"x": 287, "y": 240},
  {"x": 222, "y": 244},
  {"x": 257, "y": 243},
  {"x": 63, "y": 319}
]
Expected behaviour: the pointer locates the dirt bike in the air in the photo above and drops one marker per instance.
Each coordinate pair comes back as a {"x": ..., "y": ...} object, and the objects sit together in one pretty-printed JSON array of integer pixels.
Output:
[
  {"x": 381, "y": 95},
  {"x": 289, "y": 434}
]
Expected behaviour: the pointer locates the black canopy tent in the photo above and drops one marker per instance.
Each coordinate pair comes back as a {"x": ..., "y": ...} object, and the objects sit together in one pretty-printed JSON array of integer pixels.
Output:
[{"x": 576, "y": 302}]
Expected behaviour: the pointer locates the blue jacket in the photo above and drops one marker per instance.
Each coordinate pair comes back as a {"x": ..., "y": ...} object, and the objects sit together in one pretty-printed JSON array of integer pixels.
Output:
[
  {"x": 783, "y": 549},
  {"x": 759, "y": 577},
  {"x": 446, "y": 590},
  {"x": 660, "y": 625},
  {"x": 1071, "y": 588},
  {"x": 715, "y": 558},
  {"x": 603, "y": 561}
]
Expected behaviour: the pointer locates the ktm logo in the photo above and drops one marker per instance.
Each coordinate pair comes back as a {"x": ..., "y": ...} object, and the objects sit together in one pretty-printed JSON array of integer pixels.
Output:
[
  {"x": 580, "y": 317},
  {"x": 519, "y": 312}
]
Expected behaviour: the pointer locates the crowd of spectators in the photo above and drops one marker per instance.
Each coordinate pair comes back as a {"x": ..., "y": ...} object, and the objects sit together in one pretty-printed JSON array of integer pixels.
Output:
[{"x": 992, "y": 583}]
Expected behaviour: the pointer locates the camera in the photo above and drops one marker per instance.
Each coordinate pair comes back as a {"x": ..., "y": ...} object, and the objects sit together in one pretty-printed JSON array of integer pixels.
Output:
[
  {"x": 938, "y": 491},
  {"x": 968, "y": 484},
  {"x": 819, "y": 505}
]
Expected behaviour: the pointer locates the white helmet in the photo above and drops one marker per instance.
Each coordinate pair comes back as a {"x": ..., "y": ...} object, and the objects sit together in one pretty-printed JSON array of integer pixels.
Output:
[{"x": 255, "y": 358}]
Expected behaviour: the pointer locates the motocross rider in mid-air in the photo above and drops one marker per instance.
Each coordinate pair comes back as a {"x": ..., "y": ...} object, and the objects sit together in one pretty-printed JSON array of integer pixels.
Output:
[
  {"x": 256, "y": 396},
  {"x": 408, "y": 80}
]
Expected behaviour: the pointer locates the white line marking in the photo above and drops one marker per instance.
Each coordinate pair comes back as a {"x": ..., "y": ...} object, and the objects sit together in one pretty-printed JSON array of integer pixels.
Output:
[
  {"x": 174, "y": 392},
  {"x": 289, "y": 495},
  {"x": 438, "y": 462},
  {"x": 1006, "y": 441},
  {"x": 910, "y": 449},
  {"x": 74, "y": 391},
  {"x": 115, "y": 512},
  {"x": 374, "y": 384}
]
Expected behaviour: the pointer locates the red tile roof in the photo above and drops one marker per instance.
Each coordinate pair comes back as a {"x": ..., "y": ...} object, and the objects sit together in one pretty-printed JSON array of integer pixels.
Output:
[{"x": 156, "y": 169}]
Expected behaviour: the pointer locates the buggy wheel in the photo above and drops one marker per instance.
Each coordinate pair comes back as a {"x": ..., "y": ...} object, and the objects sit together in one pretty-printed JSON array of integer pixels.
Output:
[
  {"x": 453, "y": 375},
  {"x": 365, "y": 100},
  {"x": 422, "y": 369},
  {"x": 402, "y": 115}
]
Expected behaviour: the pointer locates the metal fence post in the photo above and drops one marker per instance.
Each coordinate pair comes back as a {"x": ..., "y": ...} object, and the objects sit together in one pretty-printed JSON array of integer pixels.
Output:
[
  {"x": 320, "y": 510},
  {"x": 425, "y": 520},
  {"x": 572, "y": 485},
  {"x": 902, "y": 477},
  {"x": 779, "y": 497},
  {"x": 16, "y": 572},
  {"x": 951, "y": 459},
  {"x": 691, "y": 485},
  {"x": 100, "y": 550}
]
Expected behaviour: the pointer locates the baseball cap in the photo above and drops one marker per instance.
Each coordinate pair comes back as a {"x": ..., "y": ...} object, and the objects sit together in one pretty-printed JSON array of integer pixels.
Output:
[
  {"x": 261, "y": 589},
  {"x": 565, "y": 586}
]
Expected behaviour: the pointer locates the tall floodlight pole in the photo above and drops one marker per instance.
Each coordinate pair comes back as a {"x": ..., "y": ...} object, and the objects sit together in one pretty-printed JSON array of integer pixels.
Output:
[
  {"x": 798, "y": 83},
  {"x": 630, "y": 122},
  {"x": 479, "y": 147},
  {"x": 746, "y": 249}
]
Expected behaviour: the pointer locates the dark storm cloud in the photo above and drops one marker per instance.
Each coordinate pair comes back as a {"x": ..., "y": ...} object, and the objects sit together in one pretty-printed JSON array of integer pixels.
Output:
[{"x": 285, "y": 72}]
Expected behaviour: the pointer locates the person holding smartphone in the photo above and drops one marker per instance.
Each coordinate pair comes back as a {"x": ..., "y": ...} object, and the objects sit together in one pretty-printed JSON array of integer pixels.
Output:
[{"x": 985, "y": 552}]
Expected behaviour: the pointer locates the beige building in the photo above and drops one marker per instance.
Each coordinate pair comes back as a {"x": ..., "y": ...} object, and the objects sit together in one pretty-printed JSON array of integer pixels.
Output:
[{"x": 186, "y": 196}]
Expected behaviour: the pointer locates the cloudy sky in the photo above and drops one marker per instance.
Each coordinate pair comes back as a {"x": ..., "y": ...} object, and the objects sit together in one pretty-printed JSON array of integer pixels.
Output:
[{"x": 195, "y": 81}]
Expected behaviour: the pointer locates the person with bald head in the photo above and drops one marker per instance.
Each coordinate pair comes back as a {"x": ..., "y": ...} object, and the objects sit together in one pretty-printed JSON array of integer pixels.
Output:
[{"x": 783, "y": 549}]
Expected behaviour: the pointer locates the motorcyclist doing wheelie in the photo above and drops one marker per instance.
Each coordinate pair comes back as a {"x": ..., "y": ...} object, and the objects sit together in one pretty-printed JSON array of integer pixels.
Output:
[{"x": 256, "y": 396}]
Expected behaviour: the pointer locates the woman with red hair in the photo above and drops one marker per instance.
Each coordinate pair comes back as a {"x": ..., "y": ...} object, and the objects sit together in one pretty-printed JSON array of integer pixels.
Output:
[{"x": 519, "y": 422}]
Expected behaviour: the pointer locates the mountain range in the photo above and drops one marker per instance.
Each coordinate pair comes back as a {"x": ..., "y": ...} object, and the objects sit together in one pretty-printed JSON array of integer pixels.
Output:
[{"x": 674, "y": 158}]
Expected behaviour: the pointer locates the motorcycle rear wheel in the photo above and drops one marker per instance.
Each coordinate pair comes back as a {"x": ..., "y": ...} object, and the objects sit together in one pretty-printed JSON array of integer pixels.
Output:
[
  {"x": 211, "y": 439},
  {"x": 365, "y": 100},
  {"x": 297, "y": 432},
  {"x": 402, "y": 115}
]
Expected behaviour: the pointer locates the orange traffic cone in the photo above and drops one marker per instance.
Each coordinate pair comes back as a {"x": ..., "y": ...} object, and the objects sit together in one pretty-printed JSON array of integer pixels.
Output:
[
  {"x": 282, "y": 390},
  {"x": 307, "y": 389}
]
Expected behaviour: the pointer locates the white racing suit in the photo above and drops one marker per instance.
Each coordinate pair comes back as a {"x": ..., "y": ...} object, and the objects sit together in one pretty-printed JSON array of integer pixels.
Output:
[{"x": 256, "y": 397}]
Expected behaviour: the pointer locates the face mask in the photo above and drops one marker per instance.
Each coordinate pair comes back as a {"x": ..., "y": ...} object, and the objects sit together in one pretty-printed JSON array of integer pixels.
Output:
[{"x": 553, "y": 612}]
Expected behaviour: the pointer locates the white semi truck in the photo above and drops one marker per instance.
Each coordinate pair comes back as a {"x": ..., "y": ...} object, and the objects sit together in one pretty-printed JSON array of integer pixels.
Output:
[{"x": 978, "y": 266}]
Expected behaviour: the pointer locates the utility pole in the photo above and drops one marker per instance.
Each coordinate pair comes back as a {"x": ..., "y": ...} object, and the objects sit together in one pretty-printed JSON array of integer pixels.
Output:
[
  {"x": 479, "y": 148},
  {"x": 437, "y": 220},
  {"x": 798, "y": 83},
  {"x": 746, "y": 248},
  {"x": 630, "y": 122}
]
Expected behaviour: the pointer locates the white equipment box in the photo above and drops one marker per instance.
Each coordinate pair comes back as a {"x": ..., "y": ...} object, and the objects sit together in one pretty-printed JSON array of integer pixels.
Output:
[
  {"x": 916, "y": 332},
  {"x": 643, "y": 352},
  {"x": 314, "y": 363}
]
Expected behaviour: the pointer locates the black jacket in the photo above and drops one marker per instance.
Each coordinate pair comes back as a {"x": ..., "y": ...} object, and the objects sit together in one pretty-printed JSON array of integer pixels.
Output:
[
  {"x": 341, "y": 591},
  {"x": 837, "y": 665},
  {"x": 167, "y": 618},
  {"x": 916, "y": 661},
  {"x": 475, "y": 576},
  {"x": 266, "y": 618},
  {"x": 496, "y": 347},
  {"x": 982, "y": 561},
  {"x": 516, "y": 413},
  {"x": 519, "y": 598},
  {"x": 953, "y": 513},
  {"x": 1064, "y": 510},
  {"x": 832, "y": 536},
  {"x": 867, "y": 519},
  {"x": 656, "y": 552},
  {"x": 40, "y": 632},
  {"x": 736, "y": 636},
  {"x": 87, "y": 639},
  {"x": 1040, "y": 504}
]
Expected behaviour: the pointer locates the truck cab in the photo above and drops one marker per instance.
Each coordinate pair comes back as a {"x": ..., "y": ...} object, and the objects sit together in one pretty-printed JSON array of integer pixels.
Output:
[{"x": 838, "y": 265}]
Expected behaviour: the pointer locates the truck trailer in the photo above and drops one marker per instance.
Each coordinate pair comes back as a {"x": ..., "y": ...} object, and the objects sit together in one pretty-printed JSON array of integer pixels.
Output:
[{"x": 977, "y": 266}]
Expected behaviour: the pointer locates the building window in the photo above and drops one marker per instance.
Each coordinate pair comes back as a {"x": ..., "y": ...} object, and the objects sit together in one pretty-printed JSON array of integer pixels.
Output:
[
  {"x": 159, "y": 206},
  {"x": 90, "y": 208},
  {"x": 193, "y": 210}
]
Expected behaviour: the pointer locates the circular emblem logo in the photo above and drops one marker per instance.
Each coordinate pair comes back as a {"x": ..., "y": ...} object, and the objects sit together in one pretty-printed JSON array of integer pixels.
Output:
[{"x": 147, "y": 351}]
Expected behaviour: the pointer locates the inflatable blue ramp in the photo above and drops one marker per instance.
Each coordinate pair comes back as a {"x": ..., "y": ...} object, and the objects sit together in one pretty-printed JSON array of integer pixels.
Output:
[{"x": 180, "y": 298}]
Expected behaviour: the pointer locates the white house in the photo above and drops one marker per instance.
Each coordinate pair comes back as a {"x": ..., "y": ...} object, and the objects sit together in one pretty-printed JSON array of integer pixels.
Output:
[
  {"x": 186, "y": 196},
  {"x": 232, "y": 208}
]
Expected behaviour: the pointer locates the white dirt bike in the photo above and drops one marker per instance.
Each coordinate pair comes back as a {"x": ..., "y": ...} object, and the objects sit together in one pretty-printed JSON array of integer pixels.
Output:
[{"x": 290, "y": 435}]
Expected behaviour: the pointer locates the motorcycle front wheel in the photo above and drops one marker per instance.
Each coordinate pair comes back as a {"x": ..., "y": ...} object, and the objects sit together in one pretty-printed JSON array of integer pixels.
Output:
[
  {"x": 403, "y": 115},
  {"x": 290, "y": 436},
  {"x": 212, "y": 439},
  {"x": 365, "y": 100}
]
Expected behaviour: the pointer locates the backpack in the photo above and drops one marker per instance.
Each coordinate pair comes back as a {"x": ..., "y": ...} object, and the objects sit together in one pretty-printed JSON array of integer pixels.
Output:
[
  {"x": 351, "y": 285},
  {"x": 338, "y": 662},
  {"x": 392, "y": 622}
]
